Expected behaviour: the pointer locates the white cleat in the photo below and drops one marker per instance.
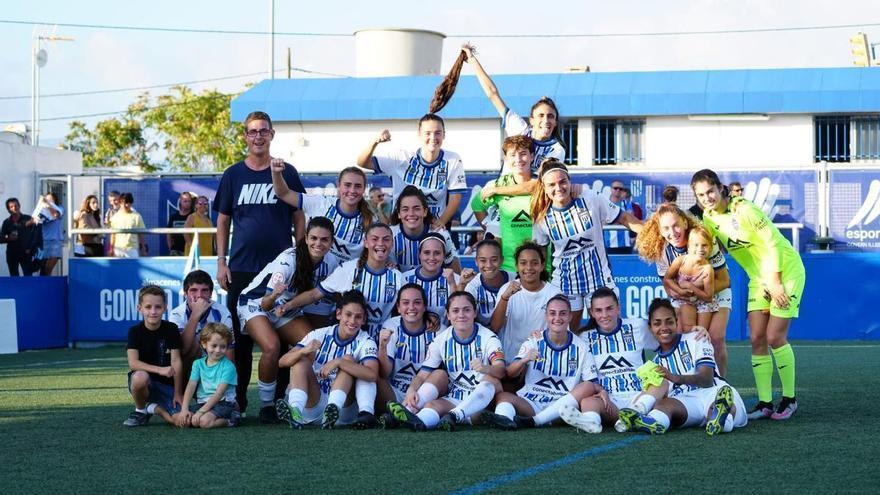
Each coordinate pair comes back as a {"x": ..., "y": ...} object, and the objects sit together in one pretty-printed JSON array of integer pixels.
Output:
[{"x": 575, "y": 418}]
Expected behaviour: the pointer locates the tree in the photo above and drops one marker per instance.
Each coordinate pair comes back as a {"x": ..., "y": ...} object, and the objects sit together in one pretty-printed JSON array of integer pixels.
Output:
[
  {"x": 115, "y": 142},
  {"x": 195, "y": 131}
]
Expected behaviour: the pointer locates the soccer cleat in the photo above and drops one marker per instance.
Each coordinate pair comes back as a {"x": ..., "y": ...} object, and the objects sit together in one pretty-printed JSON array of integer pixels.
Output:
[
  {"x": 137, "y": 419},
  {"x": 574, "y": 418},
  {"x": 448, "y": 422},
  {"x": 497, "y": 421},
  {"x": 291, "y": 415},
  {"x": 403, "y": 415},
  {"x": 365, "y": 421},
  {"x": 638, "y": 422},
  {"x": 524, "y": 421},
  {"x": 762, "y": 410},
  {"x": 331, "y": 415},
  {"x": 620, "y": 427},
  {"x": 387, "y": 422},
  {"x": 268, "y": 415},
  {"x": 785, "y": 409},
  {"x": 720, "y": 411}
]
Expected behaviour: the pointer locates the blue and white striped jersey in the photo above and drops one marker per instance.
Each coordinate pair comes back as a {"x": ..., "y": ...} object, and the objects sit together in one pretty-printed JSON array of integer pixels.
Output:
[
  {"x": 348, "y": 235},
  {"x": 437, "y": 291},
  {"x": 360, "y": 347},
  {"x": 670, "y": 252},
  {"x": 514, "y": 125},
  {"x": 456, "y": 356},
  {"x": 407, "y": 350},
  {"x": 618, "y": 354},
  {"x": 580, "y": 264},
  {"x": 436, "y": 179},
  {"x": 684, "y": 358},
  {"x": 486, "y": 297},
  {"x": 216, "y": 313},
  {"x": 557, "y": 370},
  {"x": 282, "y": 269},
  {"x": 405, "y": 249},
  {"x": 379, "y": 289}
]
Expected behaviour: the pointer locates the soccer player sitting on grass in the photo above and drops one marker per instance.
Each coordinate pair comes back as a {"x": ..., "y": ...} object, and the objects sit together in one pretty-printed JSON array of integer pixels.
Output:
[
  {"x": 213, "y": 380},
  {"x": 325, "y": 369},
  {"x": 555, "y": 362},
  {"x": 474, "y": 361},
  {"x": 155, "y": 379},
  {"x": 686, "y": 367}
]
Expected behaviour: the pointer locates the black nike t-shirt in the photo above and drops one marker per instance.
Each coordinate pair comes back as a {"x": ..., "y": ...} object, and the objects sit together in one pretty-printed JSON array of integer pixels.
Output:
[{"x": 260, "y": 222}]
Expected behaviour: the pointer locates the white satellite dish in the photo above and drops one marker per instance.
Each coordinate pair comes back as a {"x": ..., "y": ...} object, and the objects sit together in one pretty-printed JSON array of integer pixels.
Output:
[{"x": 42, "y": 57}]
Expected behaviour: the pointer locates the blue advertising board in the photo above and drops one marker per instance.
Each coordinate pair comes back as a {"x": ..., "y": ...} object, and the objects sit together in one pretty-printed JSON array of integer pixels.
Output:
[{"x": 854, "y": 221}]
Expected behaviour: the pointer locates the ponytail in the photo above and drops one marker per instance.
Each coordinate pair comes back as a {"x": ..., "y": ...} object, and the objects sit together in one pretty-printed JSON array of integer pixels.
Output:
[{"x": 445, "y": 90}]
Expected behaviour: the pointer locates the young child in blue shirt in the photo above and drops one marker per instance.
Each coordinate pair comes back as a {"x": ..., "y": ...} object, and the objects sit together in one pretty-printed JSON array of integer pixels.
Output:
[{"x": 213, "y": 380}]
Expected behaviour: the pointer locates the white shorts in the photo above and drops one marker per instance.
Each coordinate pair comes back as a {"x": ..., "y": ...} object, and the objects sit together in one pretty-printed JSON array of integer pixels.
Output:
[
  {"x": 536, "y": 405},
  {"x": 313, "y": 415},
  {"x": 581, "y": 301},
  {"x": 126, "y": 253},
  {"x": 724, "y": 298},
  {"x": 697, "y": 402},
  {"x": 252, "y": 309}
]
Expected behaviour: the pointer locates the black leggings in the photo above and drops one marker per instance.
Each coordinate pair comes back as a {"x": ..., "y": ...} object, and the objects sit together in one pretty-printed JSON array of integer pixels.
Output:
[{"x": 244, "y": 345}]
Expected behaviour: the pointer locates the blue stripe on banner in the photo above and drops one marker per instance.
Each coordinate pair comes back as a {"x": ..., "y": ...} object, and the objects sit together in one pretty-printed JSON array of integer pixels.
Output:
[{"x": 494, "y": 483}]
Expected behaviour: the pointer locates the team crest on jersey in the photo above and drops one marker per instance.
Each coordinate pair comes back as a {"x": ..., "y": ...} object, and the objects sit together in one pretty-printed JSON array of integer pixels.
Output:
[
  {"x": 572, "y": 361},
  {"x": 686, "y": 358},
  {"x": 584, "y": 215},
  {"x": 628, "y": 338},
  {"x": 390, "y": 290}
]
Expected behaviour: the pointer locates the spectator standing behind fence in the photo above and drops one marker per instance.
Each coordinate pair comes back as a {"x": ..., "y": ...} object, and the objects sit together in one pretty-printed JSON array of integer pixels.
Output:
[
  {"x": 670, "y": 194},
  {"x": 113, "y": 204},
  {"x": 262, "y": 231},
  {"x": 22, "y": 239},
  {"x": 618, "y": 241},
  {"x": 50, "y": 216},
  {"x": 177, "y": 242},
  {"x": 200, "y": 219},
  {"x": 89, "y": 217},
  {"x": 127, "y": 245},
  {"x": 736, "y": 189},
  {"x": 381, "y": 209}
]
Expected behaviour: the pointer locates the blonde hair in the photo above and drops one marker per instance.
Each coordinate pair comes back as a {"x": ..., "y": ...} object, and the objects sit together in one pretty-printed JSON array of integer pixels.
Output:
[
  {"x": 540, "y": 201},
  {"x": 700, "y": 231},
  {"x": 650, "y": 243},
  {"x": 215, "y": 328}
]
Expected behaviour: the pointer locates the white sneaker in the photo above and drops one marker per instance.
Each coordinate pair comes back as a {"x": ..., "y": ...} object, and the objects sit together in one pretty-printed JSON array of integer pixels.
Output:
[{"x": 575, "y": 418}]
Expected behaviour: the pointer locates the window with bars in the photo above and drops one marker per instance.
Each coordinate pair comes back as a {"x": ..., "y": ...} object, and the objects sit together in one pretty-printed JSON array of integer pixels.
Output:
[
  {"x": 832, "y": 138},
  {"x": 618, "y": 141},
  {"x": 570, "y": 136},
  {"x": 867, "y": 133}
]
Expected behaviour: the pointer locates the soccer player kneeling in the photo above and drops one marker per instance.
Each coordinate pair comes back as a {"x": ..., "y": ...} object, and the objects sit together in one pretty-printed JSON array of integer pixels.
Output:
[{"x": 686, "y": 366}]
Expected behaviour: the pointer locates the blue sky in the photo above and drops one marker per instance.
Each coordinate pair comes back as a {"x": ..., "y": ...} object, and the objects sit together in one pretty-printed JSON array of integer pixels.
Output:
[{"x": 108, "y": 59}]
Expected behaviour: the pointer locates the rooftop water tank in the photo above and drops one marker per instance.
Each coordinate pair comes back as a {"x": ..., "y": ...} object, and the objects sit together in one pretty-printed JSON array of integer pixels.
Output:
[{"x": 397, "y": 52}]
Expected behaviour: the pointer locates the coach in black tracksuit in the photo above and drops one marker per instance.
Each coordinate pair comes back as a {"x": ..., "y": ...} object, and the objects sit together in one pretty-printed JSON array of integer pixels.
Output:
[{"x": 22, "y": 238}]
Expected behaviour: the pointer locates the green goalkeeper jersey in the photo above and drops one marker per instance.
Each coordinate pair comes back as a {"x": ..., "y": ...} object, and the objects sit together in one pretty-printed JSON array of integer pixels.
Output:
[
  {"x": 752, "y": 239},
  {"x": 515, "y": 220}
]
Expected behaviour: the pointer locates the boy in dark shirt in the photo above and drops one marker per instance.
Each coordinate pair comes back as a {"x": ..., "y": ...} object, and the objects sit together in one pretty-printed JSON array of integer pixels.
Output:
[{"x": 155, "y": 380}]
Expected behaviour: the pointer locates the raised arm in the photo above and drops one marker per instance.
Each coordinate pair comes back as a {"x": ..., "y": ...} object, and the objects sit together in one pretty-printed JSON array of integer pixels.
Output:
[
  {"x": 365, "y": 159},
  {"x": 629, "y": 221},
  {"x": 280, "y": 185},
  {"x": 485, "y": 81}
]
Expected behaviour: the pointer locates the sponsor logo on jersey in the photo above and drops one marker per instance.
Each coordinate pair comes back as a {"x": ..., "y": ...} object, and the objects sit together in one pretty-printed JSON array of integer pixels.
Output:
[
  {"x": 733, "y": 244},
  {"x": 521, "y": 217},
  {"x": 409, "y": 370},
  {"x": 375, "y": 312},
  {"x": 611, "y": 363},
  {"x": 469, "y": 381},
  {"x": 578, "y": 244},
  {"x": 340, "y": 248},
  {"x": 549, "y": 382}
]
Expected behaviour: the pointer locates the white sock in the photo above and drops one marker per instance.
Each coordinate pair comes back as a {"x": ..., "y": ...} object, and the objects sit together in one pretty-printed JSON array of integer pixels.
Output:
[
  {"x": 660, "y": 417},
  {"x": 475, "y": 402},
  {"x": 297, "y": 398},
  {"x": 337, "y": 397},
  {"x": 644, "y": 403},
  {"x": 365, "y": 393},
  {"x": 266, "y": 391},
  {"x": 551, "y": 412},
  {"x": 429, "y": 417},
  {"x": 592, "y": 417},
  {"x": 151, "y": 407},
  {"x": 728, "y": 423},
  {"x": 142, "y": 411},
  {"x": 426, "y": 393},
  {"x": 505, "y": 409}
]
